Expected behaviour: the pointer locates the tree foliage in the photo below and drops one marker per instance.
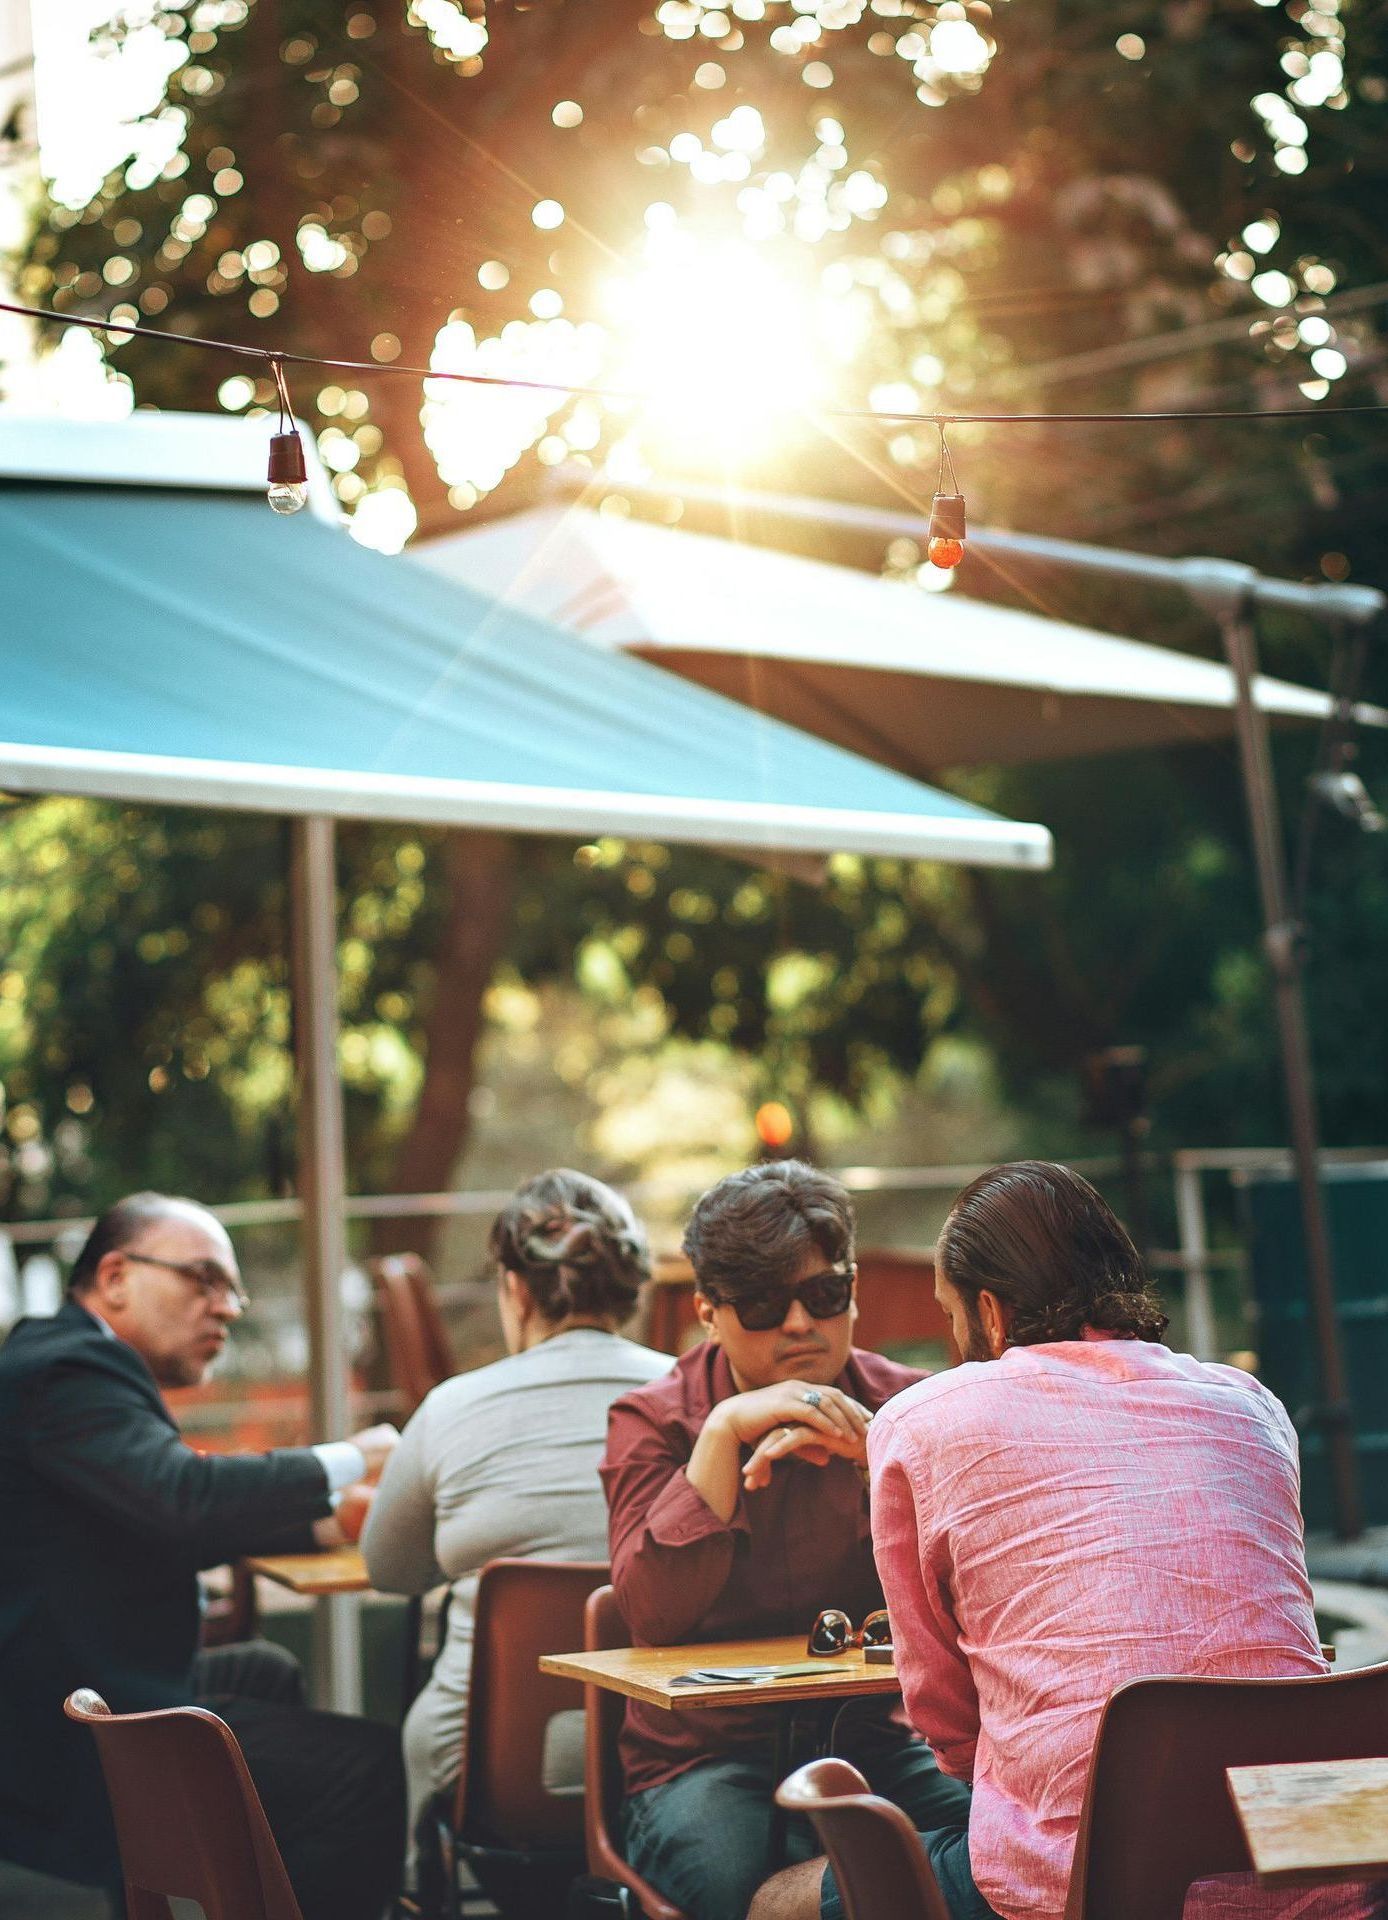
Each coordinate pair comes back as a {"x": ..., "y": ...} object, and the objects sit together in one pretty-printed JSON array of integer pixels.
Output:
[{"x": 1065, "y": 205}]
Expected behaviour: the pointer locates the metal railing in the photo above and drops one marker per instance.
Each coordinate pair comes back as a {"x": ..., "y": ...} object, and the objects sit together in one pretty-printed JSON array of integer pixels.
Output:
[{"x": 1188, "y": 1168}]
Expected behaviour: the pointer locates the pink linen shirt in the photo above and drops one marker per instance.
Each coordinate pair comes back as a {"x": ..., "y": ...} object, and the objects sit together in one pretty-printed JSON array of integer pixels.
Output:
[{"x": 1053, "y": 1523}]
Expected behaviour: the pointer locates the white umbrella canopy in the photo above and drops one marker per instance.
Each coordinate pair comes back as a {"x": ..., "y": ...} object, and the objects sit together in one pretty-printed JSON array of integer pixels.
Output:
[{"x": 918, "y": 681}]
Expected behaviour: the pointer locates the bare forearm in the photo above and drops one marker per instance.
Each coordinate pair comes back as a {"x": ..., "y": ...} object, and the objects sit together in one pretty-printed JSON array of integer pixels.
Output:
[{"x": 715, "y": 1467}]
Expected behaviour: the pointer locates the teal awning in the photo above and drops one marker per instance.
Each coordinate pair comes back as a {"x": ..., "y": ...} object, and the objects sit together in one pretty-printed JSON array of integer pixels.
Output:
[{"x": 175, "y": 646}]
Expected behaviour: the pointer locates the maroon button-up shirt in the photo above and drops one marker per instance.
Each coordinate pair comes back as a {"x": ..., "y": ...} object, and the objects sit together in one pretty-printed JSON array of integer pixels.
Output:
[{"x": 682, "y": 1575}]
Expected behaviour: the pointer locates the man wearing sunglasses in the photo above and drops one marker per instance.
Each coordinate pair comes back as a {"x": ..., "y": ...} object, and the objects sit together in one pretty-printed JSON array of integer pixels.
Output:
[
  {"x": 106, "y": 1516},
  {"x": 738, "y": 1509}
]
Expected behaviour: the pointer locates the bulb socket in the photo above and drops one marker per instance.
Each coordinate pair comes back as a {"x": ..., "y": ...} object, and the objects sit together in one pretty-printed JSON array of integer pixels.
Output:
[
  {"x": 947, "y": 517},
  {"x": 287, "y": 467}
]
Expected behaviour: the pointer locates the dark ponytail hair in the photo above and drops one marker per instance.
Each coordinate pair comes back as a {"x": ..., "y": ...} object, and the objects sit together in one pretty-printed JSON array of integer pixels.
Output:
[
  {"x": 576, "y": 1244},
  {"x": 1053, "y": 1251}
]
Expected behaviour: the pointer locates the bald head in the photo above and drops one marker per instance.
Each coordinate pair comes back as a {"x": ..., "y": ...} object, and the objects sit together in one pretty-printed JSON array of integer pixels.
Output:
[
  {"x": 161, "y": 1272},
  {"x": 122, "y": 1225}
]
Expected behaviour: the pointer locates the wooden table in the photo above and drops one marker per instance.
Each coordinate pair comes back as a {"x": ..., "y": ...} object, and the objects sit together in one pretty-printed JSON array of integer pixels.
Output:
[
  {"x": 1314, "y": 1821},
  {"x": 648, "y": 1673},
  {"x": 332, "y": 1570},
  {"x": 343, "y": 1570}
]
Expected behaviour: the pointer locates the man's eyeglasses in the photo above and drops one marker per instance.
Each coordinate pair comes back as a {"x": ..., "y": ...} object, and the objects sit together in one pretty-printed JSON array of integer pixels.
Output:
[
  {"x": 823, "y": 1296},
  {"x": 214, "y": 1283},
  {"x": 833, "y": 1633}
]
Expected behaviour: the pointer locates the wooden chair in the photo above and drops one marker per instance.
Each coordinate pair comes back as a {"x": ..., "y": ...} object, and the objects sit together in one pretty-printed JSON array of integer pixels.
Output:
[
  {"x": 671, "y": 1318},
  {"x": 878, "y": 1860},
  {"x": 189, "y": 1822},
  {"x": 1157, "y": 1810},
  {"x": 419, "y": 1353},
  {"x": 1157, "y": 1813},
  {"x": 631, "y": 1896},
  {"x": 896, "y": 1301},
  {"x": 523, "y": 1843}
]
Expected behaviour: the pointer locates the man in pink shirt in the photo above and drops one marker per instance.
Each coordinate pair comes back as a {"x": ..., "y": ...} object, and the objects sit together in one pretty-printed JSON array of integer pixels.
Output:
[{"x": 1073, "y": 1507}]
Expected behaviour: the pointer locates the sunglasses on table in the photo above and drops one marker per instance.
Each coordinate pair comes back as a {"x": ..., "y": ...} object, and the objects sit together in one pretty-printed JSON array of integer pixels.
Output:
[
  {"x": 833, "y": 1632},
  {"x": 823, "y": 1296},
  {"x": 212, "y": 1282}
]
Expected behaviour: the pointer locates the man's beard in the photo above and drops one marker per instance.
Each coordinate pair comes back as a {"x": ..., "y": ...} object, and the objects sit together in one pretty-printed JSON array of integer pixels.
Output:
[{"x": 976, "y": 1344}]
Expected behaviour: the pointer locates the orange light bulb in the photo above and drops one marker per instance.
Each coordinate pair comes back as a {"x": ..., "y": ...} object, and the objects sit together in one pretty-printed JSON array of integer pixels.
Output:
[{"x": 943, "y": 552}]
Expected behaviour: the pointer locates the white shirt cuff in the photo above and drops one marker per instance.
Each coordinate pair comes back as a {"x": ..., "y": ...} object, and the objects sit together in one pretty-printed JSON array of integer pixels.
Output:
[{"x": 343, "y": 1462}]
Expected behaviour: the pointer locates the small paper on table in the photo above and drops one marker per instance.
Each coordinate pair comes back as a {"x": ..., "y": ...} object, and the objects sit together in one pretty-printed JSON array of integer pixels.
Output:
[{"x": 733, "y": 1676}]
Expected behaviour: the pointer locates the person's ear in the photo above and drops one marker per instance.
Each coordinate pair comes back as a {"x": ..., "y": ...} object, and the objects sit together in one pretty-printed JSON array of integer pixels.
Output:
[
  {"x": 995, "y": 1319},
  {"x": 110, "y": 1282},
  {"x": 522, "y": 1300},
  {"x": 704, "y": 1308},
  {"x": 853, "y": 1301}
]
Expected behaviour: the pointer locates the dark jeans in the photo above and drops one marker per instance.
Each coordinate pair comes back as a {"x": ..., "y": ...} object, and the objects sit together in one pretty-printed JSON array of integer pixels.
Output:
[
  {"x": 701, "y": 1838},
  {"x": 332, "y": 1786},
  {"x": 948, "y": 1848}
]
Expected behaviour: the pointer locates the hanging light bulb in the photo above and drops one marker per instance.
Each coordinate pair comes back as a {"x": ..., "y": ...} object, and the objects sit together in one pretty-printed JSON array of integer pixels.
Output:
[
  {"x": 287, "y": 489},
  {"x": 288, "y": 476},
  {"x": 945, "y": 543}
]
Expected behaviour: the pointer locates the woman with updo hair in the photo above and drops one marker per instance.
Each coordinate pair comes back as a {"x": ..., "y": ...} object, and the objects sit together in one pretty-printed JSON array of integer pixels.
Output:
[{"x": 504, "y": 1460}]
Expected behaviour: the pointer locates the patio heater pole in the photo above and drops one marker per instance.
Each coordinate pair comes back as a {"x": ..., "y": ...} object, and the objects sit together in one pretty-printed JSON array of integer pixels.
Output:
[
  {"x": 323, "y": 1191},
  {"x": 1224, "y": 590}
]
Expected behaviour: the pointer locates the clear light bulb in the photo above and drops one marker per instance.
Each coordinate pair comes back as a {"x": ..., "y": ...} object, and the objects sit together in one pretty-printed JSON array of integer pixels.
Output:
[{"x": 287, "y": 478}]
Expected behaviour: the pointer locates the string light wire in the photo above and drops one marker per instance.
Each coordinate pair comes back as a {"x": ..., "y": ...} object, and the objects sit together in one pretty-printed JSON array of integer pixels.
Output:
[{"x": 275, "y": 356}]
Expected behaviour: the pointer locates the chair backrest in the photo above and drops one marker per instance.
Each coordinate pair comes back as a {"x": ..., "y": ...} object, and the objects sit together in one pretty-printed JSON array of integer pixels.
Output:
[
  {"x": 524, "y": 1608},
  {"x": 896, "y": 1301},
  {"x": 878, "y": 1860},
  {"x": 418, "y": 1351},
  {"x": 189, "y": 1822},
  {"x": 604, "y": 1627},
  {"x": 671, "y": 1321},
  {"x": 1157, "y": 1811}
]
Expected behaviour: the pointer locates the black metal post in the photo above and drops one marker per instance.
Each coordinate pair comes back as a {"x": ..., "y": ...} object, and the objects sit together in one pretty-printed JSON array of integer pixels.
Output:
[{"x": 1282, "y": 942}]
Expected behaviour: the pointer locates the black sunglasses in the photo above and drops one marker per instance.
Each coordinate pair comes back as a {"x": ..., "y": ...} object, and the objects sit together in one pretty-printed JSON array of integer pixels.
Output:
[
  {"x": 833, "y": 1633},
  {"x": 823, "y": 1296}
]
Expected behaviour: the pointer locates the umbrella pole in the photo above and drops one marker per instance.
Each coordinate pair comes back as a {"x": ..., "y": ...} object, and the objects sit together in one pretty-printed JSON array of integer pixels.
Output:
[
  {"x": 323, "y": 1191},
  {"x": 1282, "y": 943}
]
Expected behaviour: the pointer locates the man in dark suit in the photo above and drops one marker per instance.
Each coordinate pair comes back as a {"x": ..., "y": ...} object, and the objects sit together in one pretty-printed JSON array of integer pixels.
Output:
[{"x": 106, "y": 1515}]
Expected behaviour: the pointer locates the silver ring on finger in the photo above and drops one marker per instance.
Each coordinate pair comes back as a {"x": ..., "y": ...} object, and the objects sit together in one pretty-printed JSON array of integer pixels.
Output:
[{"x": 812, "y": 1397}]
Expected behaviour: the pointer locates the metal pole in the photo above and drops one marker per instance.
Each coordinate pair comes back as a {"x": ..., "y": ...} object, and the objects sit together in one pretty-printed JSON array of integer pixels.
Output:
[
  {"x": 1282, "y": 942},
  {"x": 1190, "y": 1216},
  {"x": 323, "y": 1191},
  {"x": 1322, "y": 601}
]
